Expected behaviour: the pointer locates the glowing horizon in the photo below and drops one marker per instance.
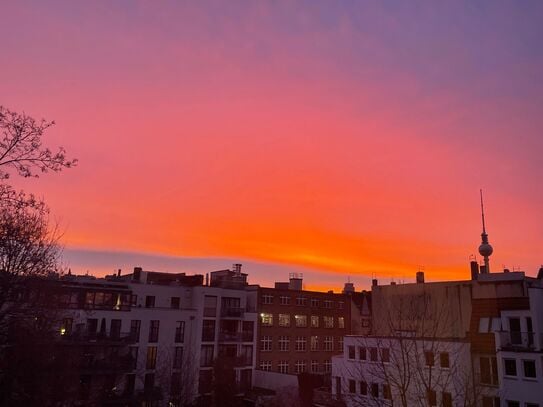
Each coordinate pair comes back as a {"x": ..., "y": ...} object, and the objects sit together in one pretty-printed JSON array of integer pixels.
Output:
[{"x": 345, "y": 138}]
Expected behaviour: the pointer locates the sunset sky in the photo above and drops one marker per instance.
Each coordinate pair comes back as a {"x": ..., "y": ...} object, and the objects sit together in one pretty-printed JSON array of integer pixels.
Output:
[{"x": 341, "y": 139}]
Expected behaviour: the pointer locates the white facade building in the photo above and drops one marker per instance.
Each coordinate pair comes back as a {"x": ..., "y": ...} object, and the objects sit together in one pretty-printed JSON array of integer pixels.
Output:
[{"x": 169, "y": 327}]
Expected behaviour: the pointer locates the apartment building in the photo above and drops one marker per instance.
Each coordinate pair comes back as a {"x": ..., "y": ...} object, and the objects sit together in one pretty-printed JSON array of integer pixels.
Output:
[
  {"x": 150, "y": 338},
  {"x": 448, "y": 343},
  {"x": 300, "y": 330}
]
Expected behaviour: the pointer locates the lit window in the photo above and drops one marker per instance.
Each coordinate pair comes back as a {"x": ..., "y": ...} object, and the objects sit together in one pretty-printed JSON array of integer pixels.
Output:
[
  {"x": 314, "y": 321},
  {"x": 341, "y": 322},
  {"x": 301, "y": 320},
  {"x": 328, "y": 343},
  {"x": 266, "y": 319},
  {"x": 284, "y": 319},
  {"x": 314, "y": 343}
]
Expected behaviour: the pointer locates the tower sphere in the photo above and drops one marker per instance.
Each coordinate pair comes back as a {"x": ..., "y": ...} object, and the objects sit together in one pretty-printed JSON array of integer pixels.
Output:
[{"x": 485, "y": 250}]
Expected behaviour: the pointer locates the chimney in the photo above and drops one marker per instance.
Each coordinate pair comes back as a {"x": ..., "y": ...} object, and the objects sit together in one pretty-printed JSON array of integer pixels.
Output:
[
  {"x": 295, "y": 281},
  {"x": 207, "y": 278},
  {"x": 474, "y": 267},
  {"x": 137, "y": 274},
  {"x": 420, "y": 277},
  {"x": 374, "y": 282},
  {"x": 236, "y": 268},
  {"x": 119, "y": 273},
  {"x": 540, "y": 273}
]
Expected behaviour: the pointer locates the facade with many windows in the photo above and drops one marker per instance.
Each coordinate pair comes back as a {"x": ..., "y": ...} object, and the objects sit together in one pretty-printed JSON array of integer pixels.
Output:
[{"x": 300, "y": 330}]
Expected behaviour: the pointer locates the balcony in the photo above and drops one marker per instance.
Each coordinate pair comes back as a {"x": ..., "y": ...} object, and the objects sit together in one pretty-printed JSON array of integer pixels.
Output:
[
  {"x": 229, "y": 336},
  {"x": 520, "y": 341},
  {"x": 232, "y": 312},
  {"x": 115, "y": 338}
]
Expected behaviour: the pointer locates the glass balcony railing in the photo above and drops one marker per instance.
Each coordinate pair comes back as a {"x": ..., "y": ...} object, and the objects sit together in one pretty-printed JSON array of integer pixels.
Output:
[{"x": 520, "y": 340}]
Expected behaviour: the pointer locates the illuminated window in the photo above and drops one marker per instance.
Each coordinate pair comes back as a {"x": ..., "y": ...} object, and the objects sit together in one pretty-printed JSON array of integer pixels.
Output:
[
  {"x": 314, "y": 321},
  {"x": 328, "y": 343},
  {"x": 301, "y": 320},
  {"x": 266, "y": 319},
  {"x": 314, "y": 343},
  {"x": 284, "y": 319},
  {"x": 341, "y": 322},
  {"x": 151, "y": 357}
]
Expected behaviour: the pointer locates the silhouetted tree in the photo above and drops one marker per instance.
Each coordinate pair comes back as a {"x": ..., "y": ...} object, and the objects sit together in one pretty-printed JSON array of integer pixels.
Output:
[{"x": 30, "y": 366}]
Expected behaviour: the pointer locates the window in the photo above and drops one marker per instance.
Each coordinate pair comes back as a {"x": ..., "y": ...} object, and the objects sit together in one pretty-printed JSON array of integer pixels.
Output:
[
  {"x": 529, "y": 368},
  {"x": 205, "y": 381},
  {"x": 385, "y": 355},
  {"x": 266, "y": 319},
  {"x": 351, "y": 351},
  {"x": 314, "y": 302},
  {"x": 352, "y": 386},
  {"x": 135, "y": 326},
  {"x": 374, "y": 390},
  {"x": 314, "y": 343},
  {"x": 210, "y": 306},
  {"x": 327, "y": 304},
  {"x": 206, "y": 355},
  {"x": 364, "y": 388},
  {"x": 151, "y": 357},
  {"x": 340, "y": 343},
  {"x": 373, "y": 354},
  {"x": 488, "y": 370},
  {"x": 314, "y": 321},
  {"x": 149, "y": 382},
  {"x": 510, "y": 367},
  {"x": 134, "y": 300},
  {"x": 284, "y": 342},
  {"x": 340, "y": 304},
  {"x": 483, "y": 325},
  {"x": 328, "y": 322},
  {"x": 446, "y": 399},
  {"x": 153, "y": 330},
  {"x": 175, "y": 386},
  {"x": 387, "y": 394},
  {"x": 133, "y": 354},
  {"x": 267, "y": 299},
  {"x": 149, "y": 301},
  {"x": 444, "y": 360},
  {"x": 66, "y": 328},
  {"x": 284, "y": 319},
  {"x": 248, "y": 331},
  {"x": 429, "y": 358},
  {"x": 496, "y": 324},
  {"x": 491, "y": 401},
  {"x": 208, "y": 330},
  {"x": 266, "y": 365},
  {"x": 179, "y": 331},
  {"x": 314, "y": 366},
  {"x": 301, "y": 301},
  {"x": 432, "y": 398},
  {"x": 266, "y": 343},
  {"x": 174, "y": 302},
  {"x": 301, "y": 343},
  {"x": 327, "y": 365},
  {"x": 341, "y": 322},
  {"x": 178, "y": 357},
  {"x": 511, "y": 403},
  {"x": 362, "y": 353},
  {"x": 284, "y": 300},
  {"x": 301, "y": 320},
  {"x": 130, "y": 384},
  {"x": 328, "y": 343},
  {"x": 300, "y": 366},
  {"x": 282, "y": 366}
]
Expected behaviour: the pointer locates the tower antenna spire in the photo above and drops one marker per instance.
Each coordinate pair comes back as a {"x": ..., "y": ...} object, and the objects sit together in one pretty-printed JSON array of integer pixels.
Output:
[{"x": 485, "y": 249}]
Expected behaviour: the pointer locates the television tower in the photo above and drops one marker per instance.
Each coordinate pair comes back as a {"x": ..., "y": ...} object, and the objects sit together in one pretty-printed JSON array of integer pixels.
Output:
[{"x": 485, "y": 249}]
